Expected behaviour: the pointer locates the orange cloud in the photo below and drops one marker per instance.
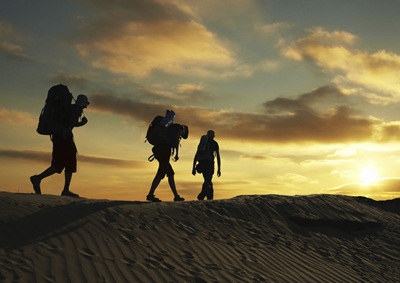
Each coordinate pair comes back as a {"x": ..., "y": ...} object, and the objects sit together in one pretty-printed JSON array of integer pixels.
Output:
[
  {"x": 17, "y": 118},
  {"x": 147, "y": 36},
  {"x": 333, "y": 51}
]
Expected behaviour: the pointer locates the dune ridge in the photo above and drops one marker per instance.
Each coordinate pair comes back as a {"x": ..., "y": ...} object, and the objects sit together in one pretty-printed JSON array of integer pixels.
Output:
[{"x": 258, "y": 238}]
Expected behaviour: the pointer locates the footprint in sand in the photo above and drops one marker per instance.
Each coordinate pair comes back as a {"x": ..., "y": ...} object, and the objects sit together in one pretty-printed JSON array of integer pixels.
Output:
[
  {"x": 158, "y": 261},
  {"x": 128, "y": 261},
  {"x": 87, "y": 252},
  {"x": 187, "y": 255}
]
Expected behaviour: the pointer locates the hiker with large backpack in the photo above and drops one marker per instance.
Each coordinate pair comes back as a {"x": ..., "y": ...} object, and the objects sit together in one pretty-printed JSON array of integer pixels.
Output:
[
  {"x": 165, "y": 136},
  {"x": 203, "y": 163},
  {"x": 57, "y": 119}
]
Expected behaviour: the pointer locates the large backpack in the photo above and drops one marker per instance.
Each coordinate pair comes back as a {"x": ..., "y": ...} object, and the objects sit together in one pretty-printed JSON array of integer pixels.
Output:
[
  {"x": 53, "y": 119},
  {"x": 157, "y": 130},
  {"x": 203, "y": 149},
  {"x": 155, "y": 133},
  {"x": 172, "y": 136},
  {"x": 175, "y": 133},
  {"x": 162, "y": 131}
]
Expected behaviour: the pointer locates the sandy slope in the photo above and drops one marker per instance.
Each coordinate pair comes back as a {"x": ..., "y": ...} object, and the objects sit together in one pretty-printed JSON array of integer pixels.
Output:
[{"x": 320, "y": 238}]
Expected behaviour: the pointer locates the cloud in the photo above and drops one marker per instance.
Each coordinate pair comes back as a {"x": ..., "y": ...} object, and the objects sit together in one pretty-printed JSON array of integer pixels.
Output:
[
  {"x": 13, "y": 51},
  {"x": 257, "y": 157},
  {"x": 60, "y": 76},
  {"x": 376, "y": 73},
  {"x": 26, "y": 154},
  {"x": 42, "y": 156},
  {"x": 139, "y": 37},
  {"x": 17, "y": 118},
  {"x": 297, "y": 118},
  {"x": 305, "y": 119},
  {"x": 182, "y": 92},
  {"x": 273, "y": 27},
  {"x": 389, "y": 131}
]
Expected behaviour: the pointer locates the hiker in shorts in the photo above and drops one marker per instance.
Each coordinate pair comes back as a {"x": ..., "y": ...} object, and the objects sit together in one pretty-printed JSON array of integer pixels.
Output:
[
  {"x": 204, "y": 163},
  {"x": 163, "y": 154},
  {"x": 157, "y": 135},
  {"x": 64, "y": 149}
]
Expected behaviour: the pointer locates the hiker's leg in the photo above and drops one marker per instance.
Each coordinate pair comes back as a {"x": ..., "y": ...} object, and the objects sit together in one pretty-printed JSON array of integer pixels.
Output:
[
  {"x": 161, "y": 172},
  {"x": 171, "y": 182},
  {"x": 156, "y": 181},
  {"x": 68, "y": 177},
  {"x": 210, "y": 191},
  {"x": 48, "y": 172},
  {"x": 36, "y": 179},
  {"x": 203, "y": 192},
  {"x": 208, "y": 174}
]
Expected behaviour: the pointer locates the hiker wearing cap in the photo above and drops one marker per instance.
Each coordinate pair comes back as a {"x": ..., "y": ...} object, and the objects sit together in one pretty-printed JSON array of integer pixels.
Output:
[
  {"x": 64, "y": 148},
  {"x": 203, "y": 163}
]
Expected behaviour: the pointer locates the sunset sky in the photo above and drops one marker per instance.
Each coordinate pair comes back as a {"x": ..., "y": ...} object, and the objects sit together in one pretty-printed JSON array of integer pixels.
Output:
[{"x": 303, "y": 96}]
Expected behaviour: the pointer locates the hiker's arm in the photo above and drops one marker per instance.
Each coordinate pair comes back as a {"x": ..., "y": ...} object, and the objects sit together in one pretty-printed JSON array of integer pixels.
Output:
[
  {"x": 176, "y": 158},
  {"x": 75, "y": 115},
  {"x": 218, "y": 163},
  {"x": 194, "y": 165},
  {"x": 83, "y": 122}
]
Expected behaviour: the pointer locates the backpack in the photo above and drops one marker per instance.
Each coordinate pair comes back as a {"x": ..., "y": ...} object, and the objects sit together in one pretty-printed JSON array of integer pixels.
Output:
[
  {"x": 162, "y": 131},
  {"x": 53, "y": 119},
  {"x": 175, "y": 133},
  {"x": 157, "y": 130},
  {"x": 203, "y": 149},
  {"x": 155, "y": 133}
]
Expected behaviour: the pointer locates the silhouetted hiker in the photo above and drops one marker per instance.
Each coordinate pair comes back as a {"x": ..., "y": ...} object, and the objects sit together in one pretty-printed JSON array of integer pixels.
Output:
[
  {"x": 165, "y": 136},
  {"x": 64, "y": 149},
  {"x": 203, "y": 163}
]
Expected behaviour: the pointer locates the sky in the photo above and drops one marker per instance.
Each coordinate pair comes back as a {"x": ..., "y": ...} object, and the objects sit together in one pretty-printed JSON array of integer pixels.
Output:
[{"x": 303, "y": 96}]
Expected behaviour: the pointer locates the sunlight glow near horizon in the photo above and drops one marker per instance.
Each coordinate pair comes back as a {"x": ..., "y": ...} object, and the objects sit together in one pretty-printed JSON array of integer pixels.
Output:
[{"x": 368, "y": 175}]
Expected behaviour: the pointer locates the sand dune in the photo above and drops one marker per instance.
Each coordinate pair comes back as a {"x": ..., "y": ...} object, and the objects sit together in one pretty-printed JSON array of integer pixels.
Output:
[{"x": 270, "y": 238}]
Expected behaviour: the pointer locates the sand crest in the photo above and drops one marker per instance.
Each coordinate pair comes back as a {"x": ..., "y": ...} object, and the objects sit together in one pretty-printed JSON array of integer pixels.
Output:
[{"x": 270, "y": 238}]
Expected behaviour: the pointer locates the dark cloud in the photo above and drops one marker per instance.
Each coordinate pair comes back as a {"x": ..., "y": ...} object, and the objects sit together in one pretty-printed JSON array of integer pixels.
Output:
[
  {"x": 77, "y": 81},
  {"x": 141, "y": 111},
  {"x": 112, "y": 17},
  {"x": 26, "y": 154},
  {"x": 144, "y": 10},
  {"x": 285, "y": 121},
  {"x": 390, "y": 132},
  {"x": 111, "y": 161},
  {"x": 46, "y": 157},
  {"x": 257, "y": 157},
  {"x": 321, "y": 115}
]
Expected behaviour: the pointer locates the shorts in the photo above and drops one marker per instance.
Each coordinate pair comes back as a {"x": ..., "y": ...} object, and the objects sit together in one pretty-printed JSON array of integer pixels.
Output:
[
  {"x": 64, "y": 154},
  {"x": 163, "y": 155}
]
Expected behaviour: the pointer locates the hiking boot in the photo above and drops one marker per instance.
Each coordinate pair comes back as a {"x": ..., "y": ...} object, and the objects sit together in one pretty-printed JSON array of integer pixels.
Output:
[
  {"x": 152, "y": 198},
  {"x": 69, "y": 194},
  {"x": 36, "y": 184},
  {"x": 179, "y": 198}
]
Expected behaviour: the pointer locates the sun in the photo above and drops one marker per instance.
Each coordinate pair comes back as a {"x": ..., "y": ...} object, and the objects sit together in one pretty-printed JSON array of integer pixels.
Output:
[{"x": 368, "y": 174}]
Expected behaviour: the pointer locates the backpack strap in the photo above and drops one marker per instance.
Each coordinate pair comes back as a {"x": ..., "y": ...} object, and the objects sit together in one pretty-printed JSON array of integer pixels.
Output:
[{"x": 151, "y": 158}]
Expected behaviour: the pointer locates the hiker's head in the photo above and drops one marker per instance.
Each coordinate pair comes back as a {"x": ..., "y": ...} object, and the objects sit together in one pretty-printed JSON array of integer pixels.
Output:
[
  {"x": 211, "y": 134},
  {"x": 82, "y": 101}
]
